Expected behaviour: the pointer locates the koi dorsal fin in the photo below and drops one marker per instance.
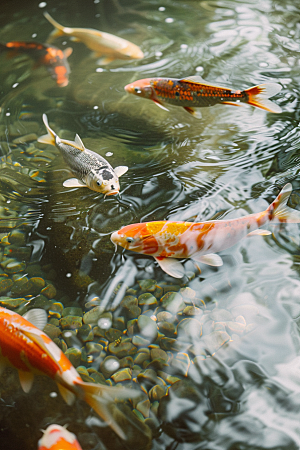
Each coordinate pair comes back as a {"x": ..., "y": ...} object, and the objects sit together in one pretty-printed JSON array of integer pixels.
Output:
[
  {"x": 79, "y": 143},
  {"x": 199, "y": 80}
]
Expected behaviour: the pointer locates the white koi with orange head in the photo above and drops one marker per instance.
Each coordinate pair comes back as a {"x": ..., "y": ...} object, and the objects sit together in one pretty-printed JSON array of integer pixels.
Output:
[
  {"x": 56, "y": 437},
  {"x": 28, "y": 349},
  {"x": 168, "y": 241}
]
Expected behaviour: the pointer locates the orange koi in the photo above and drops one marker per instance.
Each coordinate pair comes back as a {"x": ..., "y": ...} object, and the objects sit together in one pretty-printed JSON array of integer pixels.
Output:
[
  {"x": 166, "y": 241},
  {"x": 194, "y": 92},
  {"x": 56, "y": 437},
  {"x": 101, "y": 43},
  {"x": 27, "y": 348},
  {"x": 54, "y": 59}
]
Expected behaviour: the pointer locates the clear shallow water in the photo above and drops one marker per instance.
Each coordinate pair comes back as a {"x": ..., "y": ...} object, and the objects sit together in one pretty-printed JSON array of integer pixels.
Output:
[{"x": 231, "y": 162}]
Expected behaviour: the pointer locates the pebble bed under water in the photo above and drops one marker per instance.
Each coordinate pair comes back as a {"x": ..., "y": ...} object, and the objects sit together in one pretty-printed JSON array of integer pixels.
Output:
[{"x": 215, "y": 355}]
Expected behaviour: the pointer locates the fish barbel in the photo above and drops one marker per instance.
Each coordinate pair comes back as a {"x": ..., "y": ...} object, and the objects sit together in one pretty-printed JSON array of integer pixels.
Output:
[
  {"x": 167, "y": 240},
  {"x": 113, "y": 47},
  {"x": 27, "y": 348},
  {"x": 194, "y": 92},
  {"x": 56, "y": 437},
  {"x": 90, "y": 169},
  {"x": 54, "y": 59}
]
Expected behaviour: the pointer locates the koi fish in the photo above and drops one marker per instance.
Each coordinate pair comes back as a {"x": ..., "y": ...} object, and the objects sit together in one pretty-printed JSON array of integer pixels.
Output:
[
  {"x": 56, "y": 437},
  {"x": 194, "y": 92},
  {"x": 113, "y": 47},
  {"x": 26, "y": 347},
  {"x": 54, "y": 59},
  {"x": 167, "y": 240},
  {"x": 91, "y": 170}
]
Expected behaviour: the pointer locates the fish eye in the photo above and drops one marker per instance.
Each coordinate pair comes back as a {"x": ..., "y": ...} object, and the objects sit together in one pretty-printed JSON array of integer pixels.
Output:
[
  {"x": 99, "y": 183},
  {"x": 137, "y": 90},
  {"x": 130, "y": 240},
  {"x": 112, "y": 187}
]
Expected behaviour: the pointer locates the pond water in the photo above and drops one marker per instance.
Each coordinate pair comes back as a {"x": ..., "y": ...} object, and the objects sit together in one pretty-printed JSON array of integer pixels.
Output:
[{"x": 221, "y": 370}]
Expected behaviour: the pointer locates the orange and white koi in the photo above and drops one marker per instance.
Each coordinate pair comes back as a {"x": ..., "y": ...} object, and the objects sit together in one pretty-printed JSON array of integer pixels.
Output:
[
  {"x": 54, "y": 59},
  {"x": 166, "y": 241},
  {"x": 56, "y": 437},
  {"x": 112, "y": 47},
  {"x": 194, "y": 92},
  {"x": 27, "y": 348}
]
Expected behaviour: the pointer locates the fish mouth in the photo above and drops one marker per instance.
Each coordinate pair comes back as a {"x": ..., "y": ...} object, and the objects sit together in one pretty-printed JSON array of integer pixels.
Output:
[
  {"x": 112, "y": 193},
  {"x": 128, "y": 88}
]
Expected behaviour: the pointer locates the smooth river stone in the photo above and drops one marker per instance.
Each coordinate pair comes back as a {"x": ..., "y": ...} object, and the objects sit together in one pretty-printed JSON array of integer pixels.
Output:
[
  {"x": 109, "y": 365},
  {"x": 147, "y": 285},
  {"x": 147, "y": 299},
  {"x": 147, "y": 328},
  {"x": 49, "y": 291},
  {"x": 123, "y": 349},
  {"x": 92, "y": 316},
  {"x": 74, "y": 355},
  {"x": 12, "y": 303},
  {"x": 122, "y": 375},
  {"x": 52, "y": 331},
  {"x": 17, "y": 237},
  {"x": 5, "y": 285},
  {"x": 72, "y": 311},
  {"x": 70, "y": 322}
]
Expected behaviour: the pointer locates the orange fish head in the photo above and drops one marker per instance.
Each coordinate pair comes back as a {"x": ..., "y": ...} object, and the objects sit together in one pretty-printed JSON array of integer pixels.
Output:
[
  {"x": 132, "y": 51},
  {"x": 141, "y": 88},
  {"x": 56, "y": 437},
  {"x": 137, "y": 238}
]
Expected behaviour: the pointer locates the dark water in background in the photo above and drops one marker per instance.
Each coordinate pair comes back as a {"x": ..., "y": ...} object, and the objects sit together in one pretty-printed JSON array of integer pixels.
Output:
[{"x": 231, "y": 162}]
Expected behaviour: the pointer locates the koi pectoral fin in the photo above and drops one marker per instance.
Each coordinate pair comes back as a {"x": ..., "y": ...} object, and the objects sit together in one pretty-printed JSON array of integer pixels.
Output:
[
  {"x": 120, "y": 170},
  {"x": 211, "y": 259},
  {"x": 259, "y": 232},
  {"x": 171, "y": 266},
  {"x": 193, "y": 111},
  {"x": 73, "y": 182},
  {"x": 160, "y": 105},
  {"x": 26, "y": 380}
]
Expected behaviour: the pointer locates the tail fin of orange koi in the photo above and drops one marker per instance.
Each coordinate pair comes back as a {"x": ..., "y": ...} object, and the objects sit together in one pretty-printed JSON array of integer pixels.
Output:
[
  {"x": 258, "y": 96},
  {"x": 279, "y": 211},
  {"x": 58, "y": 29},
  {"x": 48, "y": 138},
  {"x": 101, "y": 399}
]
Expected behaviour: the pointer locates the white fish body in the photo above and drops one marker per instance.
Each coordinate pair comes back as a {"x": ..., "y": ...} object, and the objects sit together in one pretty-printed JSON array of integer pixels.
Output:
[{"x": 90, "y": 169}]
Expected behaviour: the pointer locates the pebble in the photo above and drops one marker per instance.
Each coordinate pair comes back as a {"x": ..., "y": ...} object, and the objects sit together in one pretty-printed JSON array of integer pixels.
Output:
[
  {"x": 52, "y": 331},
  {"x": 109, "y": 366},
  {"x": 144, "y": 407},
  {"x": 165, "y": 316},
  {"x": 123, "y": 349},
  {"x": 72, "y": 311},
  {"x": 147, "y": 285},
  {"x": 130, "y": 308},
  {"x": 189, "y": 330},
  {"x": 70, "y": 322},
  {"x": 74, "y": 355},
  {"x": 15, "y": 267},
  {"x": 148, "y": 378},
  {"x": 92, "y": 316},
  {"x": 85, "y": 333},
  {"x": 49, "y": 291},
  {"x": 147, "y": 299},
  {"x": 17, "y": 237},
  {"x": 5, "y": 285},
  {"x": 12, "y": 303},
  {"x": 122, "y": 375},
  {"x": 26, "y": 138},
  {"x": 147, "y": 327},
  {"x": 167, "y": 329},
  {"x": 156, "y": 393},
  {"x": 113, "y": 334},
  {"x": 172, "y": 302}
]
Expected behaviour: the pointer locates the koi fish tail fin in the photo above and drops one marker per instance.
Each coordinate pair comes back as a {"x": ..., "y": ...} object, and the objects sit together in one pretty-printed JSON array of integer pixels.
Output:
[
  {"x": 101, "y": 399},
  {"x": 258, "y": 96},
  {"x": 50, "y": 137},
  {"x": 279, "y": 211},
  {"x": 58, "y": 29}
]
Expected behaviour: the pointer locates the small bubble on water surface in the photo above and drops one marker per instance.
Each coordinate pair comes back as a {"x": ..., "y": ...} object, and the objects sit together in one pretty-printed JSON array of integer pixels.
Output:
[
  {"x": 99, "y": 69},
  {"x": 53, "y": 394},
  {"x": 7, "y": 114},
  {"x": 68, "y": 275},
  {"x": 263, "y": 64},
  {"x": 199, "y": 69},
  {"x": 67, "y": 334},
  {"x": 169, "y": 20},
  {"x": 109, "y": 154},
  {"x": 104, "y": 323},
  {"x": 183, "y": 46},
  {"x": 15, "y": 85},
  {"x": 42, "y": 4},
  {"x": 111, "y": 364},
  {"x": 64, "y": 43},
  {"x": 157, "y": 54},
  {"x": 8, "y": 201},
  {"x": 96, "y": 1},
  {"x": 161, "y": 8},
  {"x": 34, "y": 35},
  {"x": 48, "y": 228},
  {"x": 96, "y": 107}
]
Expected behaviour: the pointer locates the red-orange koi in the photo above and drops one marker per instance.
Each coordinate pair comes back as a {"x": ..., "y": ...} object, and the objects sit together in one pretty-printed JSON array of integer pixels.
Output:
[
  {"x": 28, "y": 349},
  {"x": 56, "y": 437},
  {"x": 194, "y": 92},
  {"x": 166, "y": 240},
  {"x": 54, "y": 59}
]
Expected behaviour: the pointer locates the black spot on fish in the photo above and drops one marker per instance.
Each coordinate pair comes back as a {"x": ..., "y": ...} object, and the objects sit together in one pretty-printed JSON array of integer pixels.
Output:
[
  {"x": 107, "y": 175},
  {"x": 112, "y": 187},
  {"x": 177, "y": 94}
]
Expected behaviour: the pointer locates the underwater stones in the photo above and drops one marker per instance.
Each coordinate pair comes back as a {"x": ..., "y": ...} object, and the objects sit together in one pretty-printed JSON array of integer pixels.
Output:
[
  {"x": 113, "y": 334},
  {"x": 147, "y": 328},
  {"x": 181, "y": 363},
  {"x": 147, "y": 299},
  {"x": 41, "y": 302},
  {"x": 85, "y": 333},
  {"x": 12, "y": 303},
  {"x": 70, "y": 322},
  {"x": 144, "y": 407},
  {"x": 165, "y": 316},
  {"x": 141, "y": 357},
  {"x": 209, "y": 344},
  {"x": 74, "y": 355},
  {"x": 72, "y": 311},
  {"x": 82, "y": 370},
  {"x": 122, "y": 375},
  {"x": 123, "y": 349},
  {"x": 147, "y": 285},
  {"x": 127, "y": 361},
  {"x": 189, "y": 330},
  {"x": 14, "y": 267},
  {"x": 96, "y": 376},
  {"x": 156, "y": 393},
  {"x": 130, "y": 308},
  {"x": 5, "y": 285},
  {"x": 49, "y": 291},
  {"x": 56, "y": 310},
  {"x": 52, "y": 331},
  {"x": 148, "y": 378},
  {"x": 221, "y": 315},
  {"x": 26, "y": 138},
  {"x": 168, "y": 344},
  {"x": 92, "y": 316},
  {"x": 17, "y": 237},
  {"x": 109, "y": 366},
  {"x": 25, "y": 286},
  {"x": 167, "y": 328},
  {"x": 179, "y": 407},
  {"x": 192, "y": 311},
  {"x": 172, "y": 302}
]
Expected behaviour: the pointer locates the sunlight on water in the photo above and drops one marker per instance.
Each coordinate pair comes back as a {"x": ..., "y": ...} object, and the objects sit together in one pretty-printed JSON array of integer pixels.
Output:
[{"x": 214, "y": 355}]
